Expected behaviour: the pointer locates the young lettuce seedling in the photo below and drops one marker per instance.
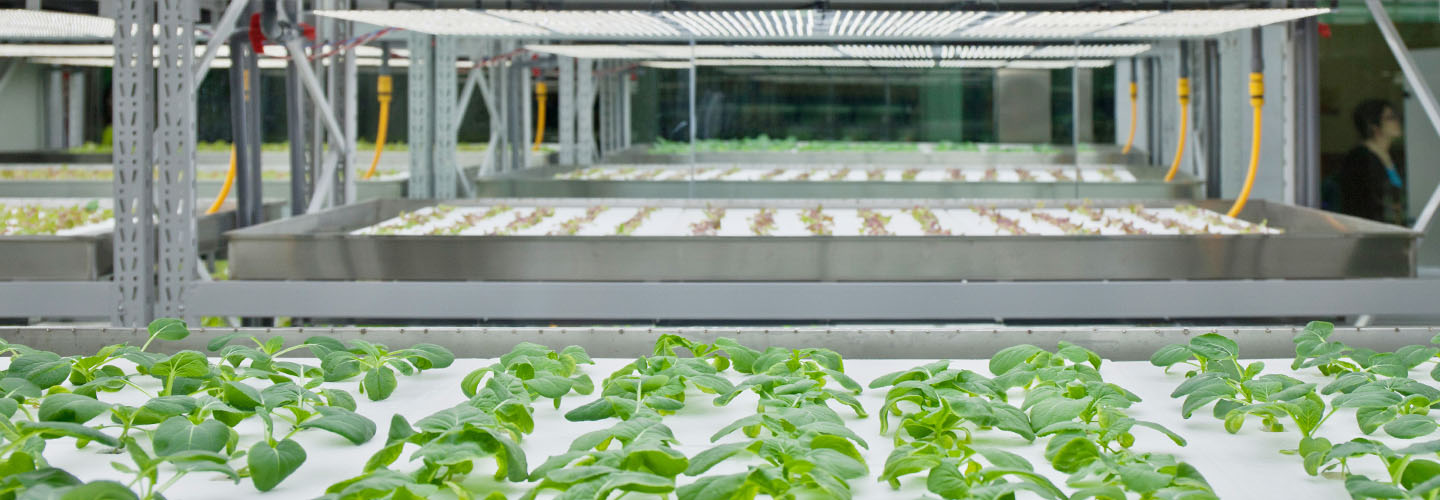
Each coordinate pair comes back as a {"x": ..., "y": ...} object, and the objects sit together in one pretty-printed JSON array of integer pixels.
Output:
[
  {"x": 542, "y": 372},
  {"x": 593, "y": 468}
]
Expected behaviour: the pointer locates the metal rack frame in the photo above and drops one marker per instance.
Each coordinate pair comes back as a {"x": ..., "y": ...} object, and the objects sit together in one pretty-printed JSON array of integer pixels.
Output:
[{"x": 133, "y": 297}]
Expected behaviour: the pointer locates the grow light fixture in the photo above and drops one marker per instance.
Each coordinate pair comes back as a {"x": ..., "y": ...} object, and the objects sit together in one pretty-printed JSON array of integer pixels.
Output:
[
  {"x": 984, "y": 51},
  {"x": 594, "y": 23},
  {"x": 840, "y": 26},
  {"x": 1082, "y": 63},
  {"x": 440, "y": 22},
  {"x": 1053, "y": 24},
  {"x": 887, "y": 51},
  {"x": 1205, "y": 23},
  {"x": 750, "y": 23},
  {"x": 972, "y": 63},
  {"x": 1113, "y": 51},
  {"x": 23, "y": 24},
  {"x": 902, "y": 24}
]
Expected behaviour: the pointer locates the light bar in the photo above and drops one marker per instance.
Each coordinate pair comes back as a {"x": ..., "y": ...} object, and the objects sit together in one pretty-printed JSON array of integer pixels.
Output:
[
  {"x": 984, "y": 51},
  {"x": 973, "y": 63},
  {"x": 832, "y": 63},
  {"x": 746, "y": 24},
  {"x": 22, "y": 24},
  {"x": 887, "y": 51},
  {"x": 841, "y": 27},
  {"x": 599, "y": 22},
  {"x": 1088, "y": 51},
  {"x": 1083, "y": 63},
  {"x": 440, "y": 22},
  {"x": 1053, "y": 24},
  {"x": 900, "y": 24},
  {"x": 1205, "y": 23}
]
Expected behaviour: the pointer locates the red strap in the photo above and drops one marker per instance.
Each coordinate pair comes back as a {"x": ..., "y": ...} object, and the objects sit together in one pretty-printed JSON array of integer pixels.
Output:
[{"x": 257, "y": 37}]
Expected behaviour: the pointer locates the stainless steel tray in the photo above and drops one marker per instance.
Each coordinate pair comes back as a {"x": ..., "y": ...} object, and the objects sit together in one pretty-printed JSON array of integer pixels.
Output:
[
  {"x": 272, "y": 189},
  {"x": 541, "y": 182},
  {"x": 1063, "y": 156},
  {"x": 318, "y": 246},
  {"x": 88, "y": 257}
]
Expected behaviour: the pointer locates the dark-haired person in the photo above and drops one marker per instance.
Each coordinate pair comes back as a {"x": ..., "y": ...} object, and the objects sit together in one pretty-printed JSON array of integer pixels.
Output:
[{"x": 1372, "y": 185}]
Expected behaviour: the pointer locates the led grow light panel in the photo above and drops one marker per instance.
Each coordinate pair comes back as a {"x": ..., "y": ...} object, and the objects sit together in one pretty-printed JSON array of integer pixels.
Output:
[
  {"x": 915, "y": 221},
  {"x": 22, "y": 24},
  {"x": 807, "y": 24},
  {"x": 813, "y": 173}
]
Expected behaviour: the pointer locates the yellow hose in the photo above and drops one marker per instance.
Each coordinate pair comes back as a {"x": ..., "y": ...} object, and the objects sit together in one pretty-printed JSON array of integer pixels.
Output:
[
  {"x": 1184, "y": 92},
  {"x": 382, "y": 91},
  {"x": 224, "y": 188},
  {"x": 1134, "y": 93},
  {"x": 540, "y": 97},
  {"x": 1257, "y": 101}
]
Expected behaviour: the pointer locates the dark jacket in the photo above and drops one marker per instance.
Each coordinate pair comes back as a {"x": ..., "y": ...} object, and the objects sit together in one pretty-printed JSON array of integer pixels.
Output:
[{"x": 1367, "y": 191}]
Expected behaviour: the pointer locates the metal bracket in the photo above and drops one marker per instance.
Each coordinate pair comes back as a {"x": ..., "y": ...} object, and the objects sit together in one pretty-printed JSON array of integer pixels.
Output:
[{"x": 133, "y": 118}]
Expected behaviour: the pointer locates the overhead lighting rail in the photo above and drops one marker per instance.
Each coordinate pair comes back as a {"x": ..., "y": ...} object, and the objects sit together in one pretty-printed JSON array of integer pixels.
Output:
[
  {"x": 830, "y": 25},
  {"x": 42, "y": 25}
]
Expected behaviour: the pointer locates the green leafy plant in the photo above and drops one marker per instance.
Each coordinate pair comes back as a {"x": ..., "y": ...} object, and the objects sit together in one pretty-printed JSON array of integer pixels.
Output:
[
  {"x": 542, "y": 372},
  {"x": 593, "y": 468}
]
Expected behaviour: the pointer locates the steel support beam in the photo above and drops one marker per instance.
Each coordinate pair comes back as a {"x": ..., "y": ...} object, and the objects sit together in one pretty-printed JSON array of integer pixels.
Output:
[
  {"x": 422, "y": 126},
  {"x": 829, "y": 301},
  {"x": 222, "y": 29},
  {"x": 57, "y": 299},
  {"x": 1305, "y": 110},
  {"x": 1213, "y": 159},
  {"x": 585, "y": 111},
  {"x": 133, "y": 90},
  {"x": 442, "y": 147},
  {"x": 245, "y": 132},
  {"x": 566, "y": 100},
  {"x": 175, "y": 154}
]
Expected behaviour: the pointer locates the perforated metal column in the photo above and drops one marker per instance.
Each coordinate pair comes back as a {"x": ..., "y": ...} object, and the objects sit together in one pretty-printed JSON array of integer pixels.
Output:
[
  {"x": 585, "y": 111},
  {"x": 422, "y": 123},
  {"x": 566, "y": 98},
  {"x": 133, "y": 114},
  {"x": 175, "y": 153},
  {"x": 442, "y": 149}
]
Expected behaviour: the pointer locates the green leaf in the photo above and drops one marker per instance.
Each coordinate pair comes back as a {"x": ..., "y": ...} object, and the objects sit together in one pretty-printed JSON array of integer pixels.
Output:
[
  {"x": 1371, "y": 418},
  {"x": 714, "y": 487},
  {"x": 74, "y": 408},
  {"x": 1072, "y": 453},
  {"x": 18, "y": 389},
  {"x": 1170, "y": 355},
  {"x": 1180, "y": 441},
  {"x": 348, "y": 424},
  {"x": 1364, "y": 399},
  {"x": 1011, "y": 357},
  {"x": 221, "y": 341},
  {"x": 948, "y": 482},
  {"x": 282, "y": 394},
  {"x": 1141, "y": 479},
  {"x": 271, "y": 465},
  {"x": 46, "y": 374},
  {"x": 99, "y": 490},
  {"x": 1410, "y": 426},
  {"x": 643, "y": 482},
  {"x": 549, "y": 386},
  {"x": 1055, "y": 410},
  {"x": 599, "y": 409},
  {"x": 1362, "y": 487},
  {"x": 168, "y": 329},
  {"x": 428, "y": 356},
  {"x": 1214, "y": 346},
  {"x": 69, "y": 429},
  {"x": 707, "y": 459},
  {"x": 177, "y": 434},
  {"x": 379, "y": 383},
  {"x": 183, "y": 364},
  {"x": 1004, "y": 459}
]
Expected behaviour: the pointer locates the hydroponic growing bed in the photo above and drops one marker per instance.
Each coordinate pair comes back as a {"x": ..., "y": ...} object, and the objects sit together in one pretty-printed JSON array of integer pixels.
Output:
[
  {"x": 71, "y": 238},
  {"x": 840, "y": 180},
  {"x": 68, "y": 181},
  {"x": 700, "y": 421},
  {"x": 804, "y": 240}
]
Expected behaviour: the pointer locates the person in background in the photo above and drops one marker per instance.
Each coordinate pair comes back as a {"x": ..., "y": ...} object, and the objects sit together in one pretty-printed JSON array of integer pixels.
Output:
[{"x": 1371, "y": 184}]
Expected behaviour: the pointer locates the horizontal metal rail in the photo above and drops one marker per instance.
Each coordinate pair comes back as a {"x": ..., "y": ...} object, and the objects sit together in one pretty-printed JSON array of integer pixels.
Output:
[
  {"x": 1116, "y": 343},
  {"x": 830, "y": 301}
]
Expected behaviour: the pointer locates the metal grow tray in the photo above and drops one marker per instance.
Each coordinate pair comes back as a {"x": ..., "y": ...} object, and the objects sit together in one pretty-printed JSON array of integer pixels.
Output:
[
  {"x": 1099, "y": 153},
  {"x": 88, "y": 257},
  {"x": 394, "y": 187},
  {"x": 318, "y": 246},
  {"x": 541, "y": 182}
]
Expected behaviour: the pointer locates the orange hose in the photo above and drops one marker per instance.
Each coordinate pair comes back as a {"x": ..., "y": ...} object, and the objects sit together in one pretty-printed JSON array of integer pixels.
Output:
[
  {"x": 383, "y": 86},
  {"x": 224, "y": 188},
  {"x": 1184, "y": 92},
  {"x": 1134, "y": 93},
  {"x": 1257, "y": 101},
  {"x": 540, "y": 97}
]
